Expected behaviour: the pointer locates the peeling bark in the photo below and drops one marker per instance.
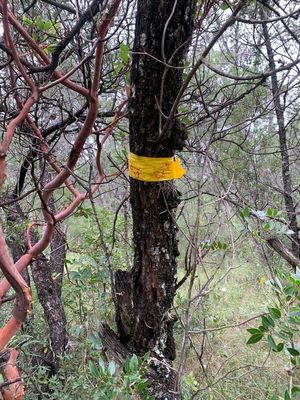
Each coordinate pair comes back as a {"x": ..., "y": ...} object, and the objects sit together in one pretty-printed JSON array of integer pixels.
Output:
[{"x": 14, "y": 390}]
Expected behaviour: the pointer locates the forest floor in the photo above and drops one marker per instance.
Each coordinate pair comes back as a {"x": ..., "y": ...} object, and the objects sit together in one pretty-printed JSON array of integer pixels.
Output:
[{"x": 229, "y": 368}]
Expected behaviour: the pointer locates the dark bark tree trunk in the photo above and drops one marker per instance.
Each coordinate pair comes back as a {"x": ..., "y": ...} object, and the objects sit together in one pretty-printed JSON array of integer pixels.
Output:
[
  {"x": 284, "y": 152},
  {"x": 49, "y": 296},
  {"x": 47, "y": 276},
  {"x": 145, "y": 294},
  {"x": 16, "y": 239}
]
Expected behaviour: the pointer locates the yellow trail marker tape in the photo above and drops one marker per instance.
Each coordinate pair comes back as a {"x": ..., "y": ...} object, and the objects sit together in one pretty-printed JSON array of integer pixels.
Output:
[{"x": 154, "y": 169}]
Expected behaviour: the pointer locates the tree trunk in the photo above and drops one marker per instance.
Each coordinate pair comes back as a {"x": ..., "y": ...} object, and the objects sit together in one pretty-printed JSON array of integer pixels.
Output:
[
  {"x": 145, "y": 295},
  {"x": 48, "y": 286},
  {"x": 16, "y": 239},
  {"x": 284, "y": 152},
  {"x": 48, "y": 275},
  {"x": 49, "y": 296}
]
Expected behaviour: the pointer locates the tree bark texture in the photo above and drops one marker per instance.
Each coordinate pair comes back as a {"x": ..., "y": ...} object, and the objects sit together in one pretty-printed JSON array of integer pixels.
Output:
[
  {"x": 145, "y": 294},
  {"x": 16, "y": 238},
  {"x": 48, "y": 287},
  {"x": 49, "y": 296},
  {"x": 48, "y": 275},
  {"x": 284, "y": 152}
]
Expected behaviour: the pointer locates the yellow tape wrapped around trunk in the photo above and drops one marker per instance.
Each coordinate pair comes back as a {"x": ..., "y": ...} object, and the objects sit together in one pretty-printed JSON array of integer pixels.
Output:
[{"x": 154, "y": 169}]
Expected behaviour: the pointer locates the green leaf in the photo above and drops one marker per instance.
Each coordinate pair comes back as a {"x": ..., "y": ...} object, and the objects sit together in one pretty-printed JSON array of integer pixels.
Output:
[
  {"x": 262, "y": 328},
  {"x": 112, "y": 368},
  {"x": 294, "y": 360},
  {"x": 289, "y": 290},
  {"x": 274, "y": 312},
  {"x": 266, "y": 322},
  {"x": 297, "y": 274},
  {"x": 101, "y": 366},
  {"x": 94, "y": 340},
  {"x": 280, "y": 347},
  {"x": 93, "y": 369},
  {"x": 217, "y": 245},
  {"x": 293, "y": 351},
  {"x": 27, "y": 21},
  {"x": 39, "y": 22},
  {"x": 245, "y": 213},
  {"x": 124, "y": 53},
  {"x": 134, "y": 363},
  {"x": 286, "y": 395},
  {"x": 47, "y": 25},
  {"x": 255, "y": 338},
  {"x": 126, "y": 366},
  {"x": 254, "y": 331},
  {"x": 295, "y": 390},
  {"x": 75, "y": 275},
  {"x": 118, "y": 67},
  {"x": 272, "y": 343},
  {"x": 50, "y": 48},
  {"x": 283, "y": 334}
]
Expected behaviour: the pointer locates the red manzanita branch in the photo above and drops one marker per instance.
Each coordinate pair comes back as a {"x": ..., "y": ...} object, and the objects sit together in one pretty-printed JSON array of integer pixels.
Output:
[
  {"x": 15, "y": 391},
  {"x": 75, "y": 153},
  {"x": 9, "y": 41},
  {"x": 93, "y": 102},
  {"x": 36, "y": 249},
  {"x": 28, "y": 104},
  {"x": 10, "y": 132},
  {"x": 23, "y": 304},
  {"x": 101, "y": 176},
  {"x": 69, "y": 73},
  {"x": 40, "y": 54},
  {"x": 8, "y": 331},
  {"x": 11, "y": 270},
  {"x": 43, "y": 145},
  {"x": 45, "y": 148},
  {"x": 27, "y": 258},
  {"x": 107, "y": 132}
]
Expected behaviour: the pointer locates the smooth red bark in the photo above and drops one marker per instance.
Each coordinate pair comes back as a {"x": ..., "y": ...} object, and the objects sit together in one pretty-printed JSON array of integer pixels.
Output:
[
  {"x": 11, "y": 270},
  {"x": 15, "y": 390}
]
